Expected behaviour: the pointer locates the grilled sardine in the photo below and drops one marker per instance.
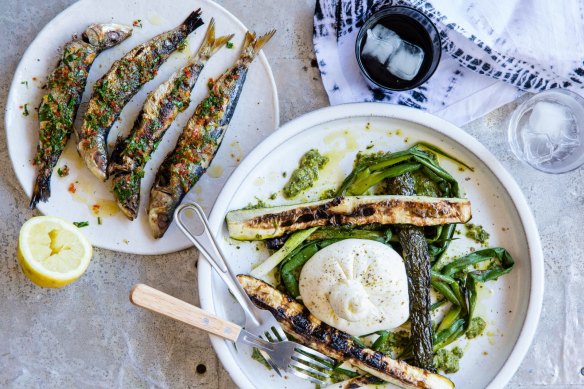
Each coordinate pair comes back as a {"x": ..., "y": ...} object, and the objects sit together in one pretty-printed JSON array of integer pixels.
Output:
[
  {"x": 263, "y": 223},
  {"x": 59, "y": 105},
  {"x": 113, "y": 91},
  {"x": 162, "y": 106},
  {"x": 200, "y": 139},
  {"x": 310, "y": 331}
]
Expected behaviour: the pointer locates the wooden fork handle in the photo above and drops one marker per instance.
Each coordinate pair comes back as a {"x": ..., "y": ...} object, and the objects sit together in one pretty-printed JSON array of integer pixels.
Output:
[{"x": 159, "y": 302}]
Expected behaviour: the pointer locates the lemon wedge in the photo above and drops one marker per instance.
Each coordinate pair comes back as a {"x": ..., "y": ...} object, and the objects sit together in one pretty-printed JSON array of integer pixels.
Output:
[{"x": 52, "y": 252}]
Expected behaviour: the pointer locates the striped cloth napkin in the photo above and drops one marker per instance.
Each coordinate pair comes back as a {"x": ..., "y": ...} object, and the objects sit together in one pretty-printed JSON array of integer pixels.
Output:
[{"x": 492, "y": 52}]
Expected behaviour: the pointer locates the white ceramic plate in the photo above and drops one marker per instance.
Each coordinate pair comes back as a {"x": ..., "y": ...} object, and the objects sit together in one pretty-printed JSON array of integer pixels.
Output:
[
  {"x": 511, "y": 305},
  {"x": 246, "y": 131}
]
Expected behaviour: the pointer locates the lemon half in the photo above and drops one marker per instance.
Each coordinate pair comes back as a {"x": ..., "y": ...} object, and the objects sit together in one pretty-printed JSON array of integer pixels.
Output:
[{"x": 52, "y": 252}]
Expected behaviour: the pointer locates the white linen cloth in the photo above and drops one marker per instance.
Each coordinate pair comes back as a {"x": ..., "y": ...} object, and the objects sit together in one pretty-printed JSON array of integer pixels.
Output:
[{"x": 492, "y": 51}]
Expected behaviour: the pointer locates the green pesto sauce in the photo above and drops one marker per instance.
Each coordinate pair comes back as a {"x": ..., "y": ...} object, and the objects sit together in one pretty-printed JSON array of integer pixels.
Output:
[
  {"x": 393, "y": 344},
  {"x": 259, "y": 204},
  {"x": 306, "y": 174},
  {"x": 257, "y": 356},
  {"x": 328, "y": 194},
  {"x": 424, "y": 186},
  {"x": 476, "y": 327},
  {"x": 366, "y": 158},
  {"x": 477, "y": 233},
  {"x": 448, "y": 360}
]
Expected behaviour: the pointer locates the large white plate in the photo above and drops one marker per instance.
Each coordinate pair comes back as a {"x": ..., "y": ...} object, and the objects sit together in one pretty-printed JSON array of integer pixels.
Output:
[
  {"x": 510, "y": 305},
  {"x": 255, "y": 117}
]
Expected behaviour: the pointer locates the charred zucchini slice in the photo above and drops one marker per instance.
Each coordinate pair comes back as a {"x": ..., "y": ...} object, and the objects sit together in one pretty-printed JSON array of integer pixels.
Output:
[{"x": 264, "y": 223}]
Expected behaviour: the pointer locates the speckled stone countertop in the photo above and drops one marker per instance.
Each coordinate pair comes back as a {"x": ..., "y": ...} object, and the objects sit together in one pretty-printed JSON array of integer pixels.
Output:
[{"x": 89, "y": 335}]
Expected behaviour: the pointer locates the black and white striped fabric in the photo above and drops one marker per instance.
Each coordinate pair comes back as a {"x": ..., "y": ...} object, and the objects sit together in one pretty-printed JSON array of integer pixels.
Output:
[{"x": 492, "y": 52}]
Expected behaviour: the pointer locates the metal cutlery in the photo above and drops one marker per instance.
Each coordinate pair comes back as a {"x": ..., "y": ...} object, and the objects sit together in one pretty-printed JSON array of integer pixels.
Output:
[
  {"x": 286, "y": 355},
  {"x": 257, "y": 321}
]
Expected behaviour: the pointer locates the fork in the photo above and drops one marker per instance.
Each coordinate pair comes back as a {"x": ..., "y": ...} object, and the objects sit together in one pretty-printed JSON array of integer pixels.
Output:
[
  {"x": 257, "y": 321},
  {"x": 288, "y": 356}
]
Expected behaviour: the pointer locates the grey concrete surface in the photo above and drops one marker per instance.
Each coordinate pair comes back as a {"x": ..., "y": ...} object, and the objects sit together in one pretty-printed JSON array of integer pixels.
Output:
[{"x": 88, "y": 335}]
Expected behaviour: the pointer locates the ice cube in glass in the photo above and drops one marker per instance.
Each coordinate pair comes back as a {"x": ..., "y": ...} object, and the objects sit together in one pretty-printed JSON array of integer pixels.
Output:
[
  {"x": 406, "y": 61},
  {"x": 381, "y": 42},
  {"x": 546, "y": 131},
  {"x": 554, "y": 120}
]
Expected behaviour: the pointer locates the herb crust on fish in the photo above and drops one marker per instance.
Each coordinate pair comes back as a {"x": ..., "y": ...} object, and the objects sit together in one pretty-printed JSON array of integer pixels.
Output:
[
  {"x": 65, "y": 86},
  {"x": 200, "y": 139},
  {"x": 160, "y": 109},
  {"x": 113, "y": 91}
]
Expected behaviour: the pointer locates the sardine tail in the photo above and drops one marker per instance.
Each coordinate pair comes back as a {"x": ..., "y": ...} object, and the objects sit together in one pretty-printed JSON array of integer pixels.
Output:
[
  {"x": 41, "y": 190},
  {"x": 248, "y": 41},
  {"x": 211, "y": 45},
  {"x": 194, "y": 20},
  {"x": 262, "y": 40},
  {"x": 252, "y": 45},
  {"x": 221, "y": 41}
]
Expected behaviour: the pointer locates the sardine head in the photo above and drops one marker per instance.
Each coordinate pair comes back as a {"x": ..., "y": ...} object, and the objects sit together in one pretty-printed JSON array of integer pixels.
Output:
[{"x": 107, "y": 35}]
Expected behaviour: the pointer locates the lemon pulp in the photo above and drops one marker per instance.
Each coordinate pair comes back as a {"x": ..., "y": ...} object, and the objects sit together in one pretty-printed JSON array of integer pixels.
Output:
[{"x": 52, "y": 252}]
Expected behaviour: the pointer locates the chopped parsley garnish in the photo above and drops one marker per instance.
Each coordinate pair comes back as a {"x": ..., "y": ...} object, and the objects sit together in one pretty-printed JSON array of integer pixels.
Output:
[
  {"x": 25, "y": 83},
  {"x": 64, "y": 171},
  {"x": 25, "y": 110},
  {"x": 81, "y": 224},
  {"x": 210, "y": 105},
  {"x": 229, "y": 45},
  {"x": 99, "y": 220},
  {"x": 69, "y": 57}
]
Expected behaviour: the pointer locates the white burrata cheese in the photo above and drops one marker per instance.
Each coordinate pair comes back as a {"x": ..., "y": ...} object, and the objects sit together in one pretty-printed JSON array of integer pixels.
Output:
[{"x": 357, "y": 286}]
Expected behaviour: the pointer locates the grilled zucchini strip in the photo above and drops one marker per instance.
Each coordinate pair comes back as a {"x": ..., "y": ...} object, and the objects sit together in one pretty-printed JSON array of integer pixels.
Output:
[
  {"x": 264, "y": 223},
  {"x": 297, "y": 320}
]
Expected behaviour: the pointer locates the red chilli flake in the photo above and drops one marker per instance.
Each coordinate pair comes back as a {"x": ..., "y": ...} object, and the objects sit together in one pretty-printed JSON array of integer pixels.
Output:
[
  {"x": 72, "y": 188},
  {"x": 95, "y": 208}
]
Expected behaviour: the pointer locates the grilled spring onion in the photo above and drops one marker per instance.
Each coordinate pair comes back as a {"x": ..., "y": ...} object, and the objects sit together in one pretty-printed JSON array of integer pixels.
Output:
[
  {"x": 461, "y": 275},
  {"x": 417, "y": 263},
  {"x": 464, "y": 287},
  {"x": 274, "y": 260},
  {"x": 431, "y": 179}
]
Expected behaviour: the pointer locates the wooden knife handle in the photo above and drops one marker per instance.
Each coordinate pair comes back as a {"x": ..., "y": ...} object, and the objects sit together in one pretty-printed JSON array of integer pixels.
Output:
[{"x": 159, "y": 302}]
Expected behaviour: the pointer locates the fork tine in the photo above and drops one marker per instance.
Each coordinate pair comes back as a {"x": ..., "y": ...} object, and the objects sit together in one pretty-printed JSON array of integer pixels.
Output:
[
  {"x": 310, "y": 353},
  {"x": 269, "y": 359},
  {"x": 315, "y": 362},
  {"x": 308, "y": 377},
  {"x": 270, "y": 362},
  {"x": 307, "y": 369}
]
